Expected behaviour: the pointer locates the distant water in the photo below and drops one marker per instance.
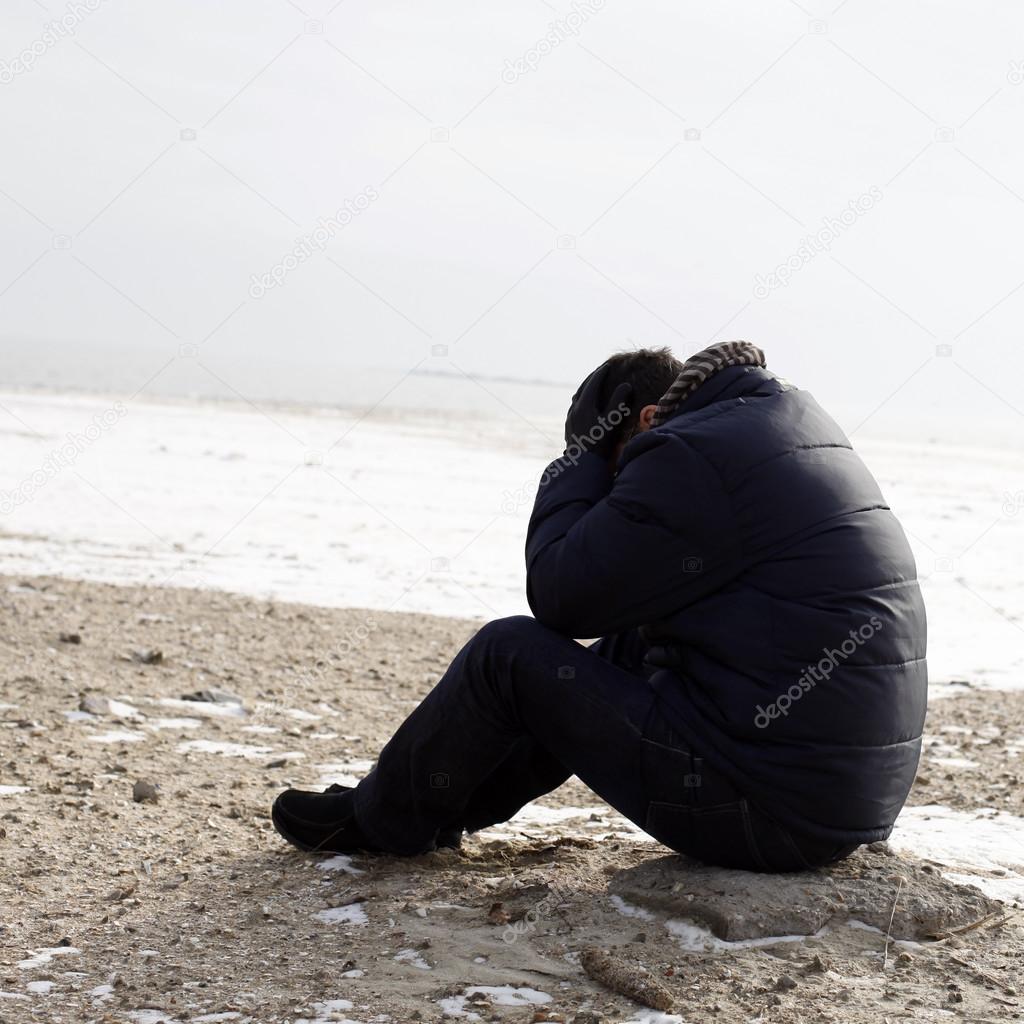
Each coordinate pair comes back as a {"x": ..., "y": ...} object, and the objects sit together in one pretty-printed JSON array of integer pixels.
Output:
[
  {"x": 521, "y": 385},
  {"x": 419, "y": 512}
]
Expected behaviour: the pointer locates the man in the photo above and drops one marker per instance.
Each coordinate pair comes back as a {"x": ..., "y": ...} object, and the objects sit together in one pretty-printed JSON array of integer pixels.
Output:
[{"x": 758, "y": 698}]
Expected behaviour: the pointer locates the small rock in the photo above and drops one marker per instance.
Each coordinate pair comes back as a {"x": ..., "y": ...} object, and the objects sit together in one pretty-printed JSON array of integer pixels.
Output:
[
  {"x": 148, "y": 656},
  {"x": 785, "y": 983},
  {"x": 212, "y": 696},
  {"x": 144, "y": 792},
  {"x": 70, "y": 638},
  {"x": 281, "y": 762},
  {"x": 498, "y": 914},
  {"x": 586, "y": 1017},
  {"x": 95, "y": 705}
]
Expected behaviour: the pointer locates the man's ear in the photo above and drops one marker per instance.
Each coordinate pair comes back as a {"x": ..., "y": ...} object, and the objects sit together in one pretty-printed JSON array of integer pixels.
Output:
[{"x": 647, "y": 416}]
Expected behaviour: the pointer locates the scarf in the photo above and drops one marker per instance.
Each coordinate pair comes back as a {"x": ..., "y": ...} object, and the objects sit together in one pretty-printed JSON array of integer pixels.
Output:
[{"x": 702, "y": 367}]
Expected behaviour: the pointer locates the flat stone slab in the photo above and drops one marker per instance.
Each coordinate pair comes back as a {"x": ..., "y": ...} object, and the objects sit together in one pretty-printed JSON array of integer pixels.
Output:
[{"x": 738, "y": 905}]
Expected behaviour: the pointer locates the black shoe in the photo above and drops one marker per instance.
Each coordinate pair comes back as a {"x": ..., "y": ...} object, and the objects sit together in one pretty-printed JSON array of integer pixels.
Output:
[
  {"x": 319, "y": 822},
  {"x": 447, "y": 838}
]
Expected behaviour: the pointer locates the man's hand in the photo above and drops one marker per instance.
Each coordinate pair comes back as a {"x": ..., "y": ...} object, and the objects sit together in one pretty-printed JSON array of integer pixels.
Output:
[{"x": 594, "y": 422}]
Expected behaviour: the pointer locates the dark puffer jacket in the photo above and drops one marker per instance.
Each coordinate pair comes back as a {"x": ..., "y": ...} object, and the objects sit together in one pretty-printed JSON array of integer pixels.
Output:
[{"x": 775, "y": 587}]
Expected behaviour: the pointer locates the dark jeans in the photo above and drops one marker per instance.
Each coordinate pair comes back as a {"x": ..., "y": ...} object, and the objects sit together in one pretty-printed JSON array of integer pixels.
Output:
[{"x": 521, "y": 710}]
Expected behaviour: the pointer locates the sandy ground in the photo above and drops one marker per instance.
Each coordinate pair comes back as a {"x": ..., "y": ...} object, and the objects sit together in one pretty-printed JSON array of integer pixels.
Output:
[{"x": 190, "y": 908}]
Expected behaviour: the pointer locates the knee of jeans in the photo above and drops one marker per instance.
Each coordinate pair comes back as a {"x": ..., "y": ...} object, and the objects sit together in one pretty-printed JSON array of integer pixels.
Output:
[{"x": 514, "y": 629}]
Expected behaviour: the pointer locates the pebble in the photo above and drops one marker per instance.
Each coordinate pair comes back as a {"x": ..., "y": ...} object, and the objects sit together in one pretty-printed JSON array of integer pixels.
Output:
[
  {"x": 95, "y": 705},
  {"x": 148, "y": 656},
  {"x": 144, "y": 792},
  {"x": 213, "y": 696},
  {"x": 70, "y": 638}
]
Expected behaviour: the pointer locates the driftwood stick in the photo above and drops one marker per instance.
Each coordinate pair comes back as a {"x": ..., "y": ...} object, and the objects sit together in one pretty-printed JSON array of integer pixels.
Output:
[{"x": 626, "y": 980}]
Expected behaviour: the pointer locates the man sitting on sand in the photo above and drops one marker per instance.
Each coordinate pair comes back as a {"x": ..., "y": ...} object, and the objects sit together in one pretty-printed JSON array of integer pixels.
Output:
[{"x": 758, "y": 698}]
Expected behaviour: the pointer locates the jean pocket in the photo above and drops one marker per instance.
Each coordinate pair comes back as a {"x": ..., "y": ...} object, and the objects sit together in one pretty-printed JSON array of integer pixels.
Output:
[
  {"x": 669, "y": 773},
  {"x": 720, "y": 835}
]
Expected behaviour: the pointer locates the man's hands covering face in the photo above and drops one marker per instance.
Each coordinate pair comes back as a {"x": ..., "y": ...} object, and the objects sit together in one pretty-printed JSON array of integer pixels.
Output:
[{"x": 595, "y": 422}]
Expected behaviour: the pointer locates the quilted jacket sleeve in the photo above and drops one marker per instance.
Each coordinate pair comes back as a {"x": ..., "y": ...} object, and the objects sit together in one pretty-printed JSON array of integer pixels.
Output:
[{"x": 606, "y": 554}]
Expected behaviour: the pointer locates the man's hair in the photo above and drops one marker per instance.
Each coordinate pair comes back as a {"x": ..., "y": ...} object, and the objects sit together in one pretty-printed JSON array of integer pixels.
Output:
[{"x": 651, "y": 371}]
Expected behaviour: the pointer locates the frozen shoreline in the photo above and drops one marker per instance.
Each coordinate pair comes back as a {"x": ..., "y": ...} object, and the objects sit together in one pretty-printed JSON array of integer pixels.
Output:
[{"x": 416, "y": 512}]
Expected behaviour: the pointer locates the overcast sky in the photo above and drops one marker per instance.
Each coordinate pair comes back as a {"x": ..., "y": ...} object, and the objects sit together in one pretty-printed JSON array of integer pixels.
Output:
[{"x": 518, "y": 189}]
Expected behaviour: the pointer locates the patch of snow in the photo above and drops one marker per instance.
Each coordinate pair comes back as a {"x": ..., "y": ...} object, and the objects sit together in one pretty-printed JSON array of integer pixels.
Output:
[
  {"x": 12, "y": 995},
  {"x": 356, "y": 973},
  {"x": 455, "y": 1006},
  {"x": 118, "y": 736},
  {"x": 342, "y": 862},
  {"x": 954, "y": 762},
  {"x": 262, "y": 729},
  {"x": 174, "y": 723},
  {"x": 353, "y": 913},
  {"x": 985, "y": 842},
  {"x": 629, "y": 910},
  {"x": 13, "y": 790},
  {"x": 41, "y": 957},
  {"x": 695, "y": 938},
  {"x": 204, "y": 709},
  {"x": 302, "y": 716},
  {"x": 79, "y": 716},
  {"x": 40, "y": 988},
  {"x": 1008, "y": 889},
  {"x": 344, "y": 773},
  {"x": 593, "y": 822},
  {"x": 508, "y": 995},
  {"x": 150, "y": 1016},
  {"x": 327, "y": 1012},
  {"x": 223, "y": 748},
  {"x": 536, "y": 814},
  {"x": 862, "y": 926},
  {"x": 655, "y": 1017},
  {"x": 411, "y": 957},
  {"x": 102, "y": 991},
  {"x": 121, "y": 709}
]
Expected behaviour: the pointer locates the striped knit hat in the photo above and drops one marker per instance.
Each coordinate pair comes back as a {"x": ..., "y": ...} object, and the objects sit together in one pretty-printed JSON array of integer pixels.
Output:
[{"x": 701, "y": 367}]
